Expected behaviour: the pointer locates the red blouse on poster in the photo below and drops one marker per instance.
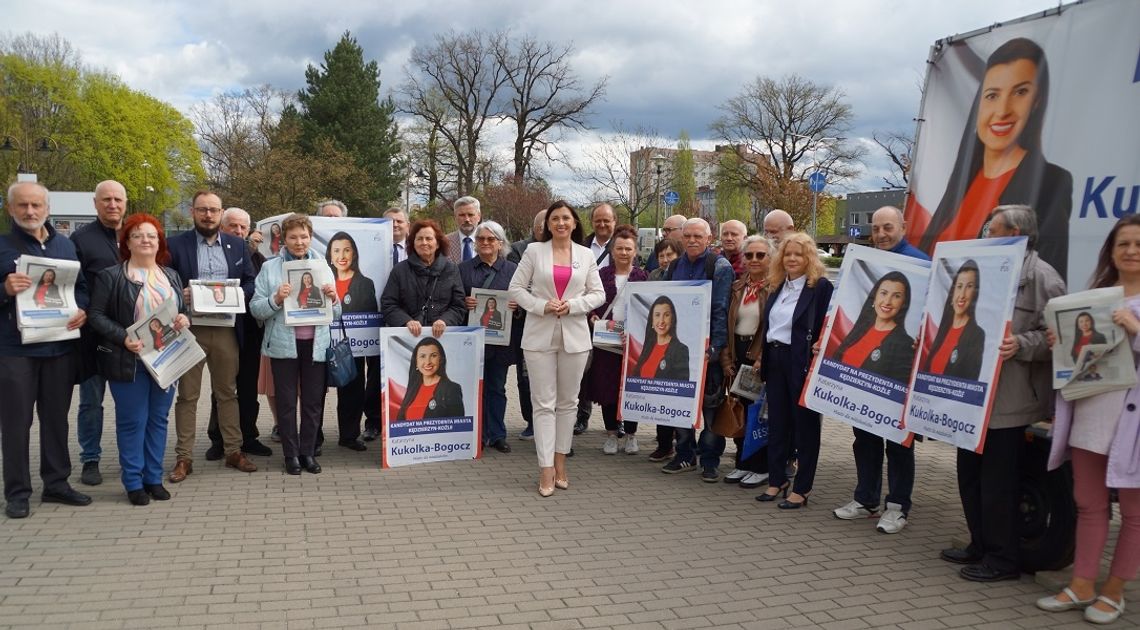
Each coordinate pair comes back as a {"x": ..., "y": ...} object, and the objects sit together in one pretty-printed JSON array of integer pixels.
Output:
[
  {"x": 942, "y": 357},
  {"x": 858, "y": 352},
  {"x": 418, "y": 408},
  {"x": 981, "y": 198},
  {"x": 649, "y": 368}
]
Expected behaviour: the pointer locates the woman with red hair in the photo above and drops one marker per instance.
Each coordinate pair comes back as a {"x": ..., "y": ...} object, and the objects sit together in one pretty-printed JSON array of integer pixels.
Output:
[{"x": 129, "y": 292}]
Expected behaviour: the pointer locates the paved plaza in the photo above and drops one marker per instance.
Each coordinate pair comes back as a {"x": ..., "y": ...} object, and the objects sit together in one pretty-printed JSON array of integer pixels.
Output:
[{"x": 471, "y": 545}]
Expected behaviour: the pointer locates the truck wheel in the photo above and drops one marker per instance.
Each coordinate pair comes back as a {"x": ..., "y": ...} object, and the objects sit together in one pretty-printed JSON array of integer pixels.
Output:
[{"x": 1048, "y": 514}]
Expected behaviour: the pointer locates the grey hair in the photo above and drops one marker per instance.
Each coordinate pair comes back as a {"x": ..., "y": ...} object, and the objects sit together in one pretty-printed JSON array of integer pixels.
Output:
[
  {"x": 394, "y": 210},
  {"x": 697, "y": 221},
  {"x": 467, "y": 200},
  {"x": 235, "y": 210},
  {"x": 1020, "y": 217},
  {"x": 757, "y": 238},
  {"x": 333, "y": 202},
  {"x": 496, "y": 230},
  {"x": 14, "y": 186}
]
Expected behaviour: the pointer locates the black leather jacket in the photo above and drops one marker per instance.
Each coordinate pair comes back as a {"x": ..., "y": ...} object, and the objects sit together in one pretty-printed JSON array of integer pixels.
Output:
[{"x": 112, "y": 311}]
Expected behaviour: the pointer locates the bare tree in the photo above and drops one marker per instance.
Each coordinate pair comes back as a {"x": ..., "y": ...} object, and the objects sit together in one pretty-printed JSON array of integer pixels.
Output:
[
  {"x": 899, "y": 148},
  {"x": 795, "y": 124},
  {"x": 545, "y": 97},
  {"x": 610, "y": 169},
  {"x": 453, "y": 85}
]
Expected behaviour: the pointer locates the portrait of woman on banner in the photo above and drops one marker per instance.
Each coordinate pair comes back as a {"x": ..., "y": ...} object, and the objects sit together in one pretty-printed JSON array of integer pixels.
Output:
[
  {"x": 309, "y": 295},
  {"x": 958, "y": 344},
  {"x": 47, "y": 291},
  {"x": 1000, "y": 159},
  {"x": 1085, "y": 333},
  {"x": 878, "y": 341},
  {"x": 159, "y": 333},
  {"x": 492, "y": 317},
  {"x": 663, "y": 356},
  {"x": 430, "y": 394},
  {"x": 356, "y": 291}
]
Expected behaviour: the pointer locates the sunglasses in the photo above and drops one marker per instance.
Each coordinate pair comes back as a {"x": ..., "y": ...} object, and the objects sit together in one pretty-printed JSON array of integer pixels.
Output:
[{"x": 755, "y": 255}]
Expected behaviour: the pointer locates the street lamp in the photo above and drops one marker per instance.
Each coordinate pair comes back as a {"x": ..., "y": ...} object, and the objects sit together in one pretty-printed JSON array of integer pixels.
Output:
[
  {"x": 146, "y": 185},
  {"x": 815, "y": 169},
  {"x": 46, "y": 144},
  {"x": 658, "y": 160}
]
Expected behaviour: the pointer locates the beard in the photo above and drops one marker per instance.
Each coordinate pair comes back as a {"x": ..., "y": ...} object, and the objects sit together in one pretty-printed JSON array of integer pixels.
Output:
[
  {"x": 32, "y": 225},
  {"x": 208, "y": 232}
]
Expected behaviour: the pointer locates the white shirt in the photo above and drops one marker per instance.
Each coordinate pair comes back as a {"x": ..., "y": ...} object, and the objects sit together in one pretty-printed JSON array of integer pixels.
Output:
[
  {"x": 598, "y": 249},
  {"x": 780, "y": 320},
  {"x": 401, "y": 252},
  {"x": 618, "y": 314}
]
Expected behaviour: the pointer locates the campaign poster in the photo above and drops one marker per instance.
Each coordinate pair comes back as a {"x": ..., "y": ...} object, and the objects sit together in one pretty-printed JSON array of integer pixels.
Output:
[
  {"x": 969, "y": 305},
  {"x": 667, "y": 339},
  {"x": 492, "y": 314},
  {"x": 358, "y": 250},
  {"x": 1036, "y": 111},
  {"x": 868, "y": 343},
  {"x": 433, "y": 409}
]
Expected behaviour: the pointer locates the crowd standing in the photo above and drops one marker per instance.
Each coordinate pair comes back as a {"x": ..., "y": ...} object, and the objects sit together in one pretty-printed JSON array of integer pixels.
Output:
[{"x": 770, "y": 294}]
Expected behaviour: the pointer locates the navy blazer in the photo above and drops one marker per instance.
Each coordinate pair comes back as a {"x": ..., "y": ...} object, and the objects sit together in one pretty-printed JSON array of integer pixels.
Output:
[
  {"x": 184, "y": 259},
  {"x": 804, "y": 333}
]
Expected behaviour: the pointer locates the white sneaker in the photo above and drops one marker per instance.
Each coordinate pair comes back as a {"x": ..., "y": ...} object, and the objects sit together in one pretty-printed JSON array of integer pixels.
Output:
[
  {"x": 735, "y": 476},
  {"x": 754, "y": 480},
  {"x": 631, "y": 447},
  {"x": 853, "y": 511},
  {"x": 610, "y": 446},
  {"x": 892, "y": 520}
]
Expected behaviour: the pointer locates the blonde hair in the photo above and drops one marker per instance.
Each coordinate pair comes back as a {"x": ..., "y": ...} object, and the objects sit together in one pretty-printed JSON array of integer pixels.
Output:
[
  {"x": 814, "y": 269},
  {"x": 294, "y": 221}
]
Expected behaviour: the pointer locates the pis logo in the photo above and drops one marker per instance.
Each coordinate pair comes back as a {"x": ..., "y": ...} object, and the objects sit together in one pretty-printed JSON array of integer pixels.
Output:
[
  {"x": 1005, "y": 265},
  {"x": 697, "y": 301},
  {"x": 467, "y": 342}
]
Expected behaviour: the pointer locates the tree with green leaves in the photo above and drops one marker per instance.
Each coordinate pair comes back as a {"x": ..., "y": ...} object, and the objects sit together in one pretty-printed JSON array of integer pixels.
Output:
[
  {"x": 684, "y": 181},
  {"x": 341, "y": 104},
  {"x": 733, "y": 198}
]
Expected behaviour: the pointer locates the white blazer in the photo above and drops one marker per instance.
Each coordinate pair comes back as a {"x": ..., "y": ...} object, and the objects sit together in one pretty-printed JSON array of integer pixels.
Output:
[{"x": 533, "y": 285}]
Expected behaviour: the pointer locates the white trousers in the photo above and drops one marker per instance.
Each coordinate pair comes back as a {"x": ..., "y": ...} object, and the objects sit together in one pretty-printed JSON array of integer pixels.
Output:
[{"x": 555, "y": 377}]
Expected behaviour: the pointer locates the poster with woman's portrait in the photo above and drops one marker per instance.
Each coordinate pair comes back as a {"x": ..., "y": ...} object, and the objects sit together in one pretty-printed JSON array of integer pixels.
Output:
[
  {"x": 1092, "y": 354},
  {"x": 358, "y": 254},
  {"x": 969, "y": 305},
  {"x": 433, "y": 409},
  {"x": 868, "y": 344},
  {"x": 306, "y": 304},
  {"x": 167, "y": 353},
  {"x": 50, "y": 302},
  {"x": 492, "y": 314},
  {"x": 1031, "y": 111},
  {"x": 667, "y": 337}
]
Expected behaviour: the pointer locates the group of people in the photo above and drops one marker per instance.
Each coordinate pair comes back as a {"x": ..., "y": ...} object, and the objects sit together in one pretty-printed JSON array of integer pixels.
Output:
[{"x": 770, "y": 295}]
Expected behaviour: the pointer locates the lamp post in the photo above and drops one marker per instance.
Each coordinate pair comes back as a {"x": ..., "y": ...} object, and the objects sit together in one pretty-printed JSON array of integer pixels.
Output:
[
  {"x": 46, "y": 144},
  {"x": 146, "y": 186},
  {"x": 658, "y": 160},
  {"x": 815, "y": 169}
]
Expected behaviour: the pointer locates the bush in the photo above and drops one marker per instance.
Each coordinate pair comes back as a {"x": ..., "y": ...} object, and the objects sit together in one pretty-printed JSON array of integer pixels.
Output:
[{"x": 833, "y": 261}]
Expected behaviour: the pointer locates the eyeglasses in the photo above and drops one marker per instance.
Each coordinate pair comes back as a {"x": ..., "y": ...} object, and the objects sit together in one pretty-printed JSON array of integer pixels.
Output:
[
  {"x": 486, "y": 239},
  {"x": 208, "y": 210},
  {"x": 669, "y": 230},
  {"x": 144, "y": 236},
  {"x": 755, "y": 255}
]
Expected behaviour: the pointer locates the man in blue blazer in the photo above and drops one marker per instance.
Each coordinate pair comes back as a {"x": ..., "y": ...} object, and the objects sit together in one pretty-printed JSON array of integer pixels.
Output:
[{"x": 207, "y": 253}]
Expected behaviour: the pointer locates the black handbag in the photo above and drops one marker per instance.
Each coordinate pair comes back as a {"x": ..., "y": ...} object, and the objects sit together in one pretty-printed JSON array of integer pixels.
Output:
[{"x": 339, "y": 363}]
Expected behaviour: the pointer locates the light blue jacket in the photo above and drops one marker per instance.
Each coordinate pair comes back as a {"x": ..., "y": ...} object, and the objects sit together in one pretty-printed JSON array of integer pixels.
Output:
[{"x": 279, "y": 341}]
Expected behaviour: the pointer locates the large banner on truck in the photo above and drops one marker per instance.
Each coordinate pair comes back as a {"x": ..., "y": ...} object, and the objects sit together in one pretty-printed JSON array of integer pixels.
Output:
[{"x": 1038, "y": 111}]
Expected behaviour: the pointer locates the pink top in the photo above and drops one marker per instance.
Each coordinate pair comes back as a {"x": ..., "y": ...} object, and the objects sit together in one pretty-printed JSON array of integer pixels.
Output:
[
  {"x": 304, "y": 332},
  {"x": 562, "y": 278}
]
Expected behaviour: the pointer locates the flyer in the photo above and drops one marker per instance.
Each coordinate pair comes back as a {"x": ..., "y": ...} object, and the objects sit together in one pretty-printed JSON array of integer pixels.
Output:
[
  {"x": 491, "y": 314},
  {"x": 43, "y": 310},
  {"x": 167, "y": 353}
]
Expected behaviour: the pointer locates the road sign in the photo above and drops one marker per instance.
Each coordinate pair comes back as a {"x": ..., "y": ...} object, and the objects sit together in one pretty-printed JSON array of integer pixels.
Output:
[
  {"x": 816, "y": 182},
  {"x": 672, "y": 198},
  {"x": 854, "y": 231}
]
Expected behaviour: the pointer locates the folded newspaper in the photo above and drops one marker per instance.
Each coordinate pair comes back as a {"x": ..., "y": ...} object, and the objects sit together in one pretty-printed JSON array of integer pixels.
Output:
[
  {"x": 747, "y": 383},
  {"x": 167, "y": 353},
  {"x": 216, "y": 302},
  {"x": 1092, "y": 355},
  {"x": 43, "y": 310}
]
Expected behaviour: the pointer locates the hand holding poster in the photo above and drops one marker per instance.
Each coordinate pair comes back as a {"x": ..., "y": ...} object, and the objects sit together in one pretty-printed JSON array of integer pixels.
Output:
[
  {"x": 1092, "y": 354},
  {"x": 667, "y": 338},
  {"x": 434, "y": 407},
  {"x": 307, "y": 305},
  {"x": 216, "y": 302},
  {"x": 969, "y": 305},
  {"x": 492, "y": 315},
  {"x": 167, "y": 353},
  {"x": 43, "y": 310},
  {"x": 861, "y": 375}
]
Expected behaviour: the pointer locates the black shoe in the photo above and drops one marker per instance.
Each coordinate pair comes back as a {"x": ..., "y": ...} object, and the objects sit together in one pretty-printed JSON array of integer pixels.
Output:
[
  {"x": 215, "y": 452},
  {"x": 501, "y": 446},
  {"x": 67, "y": 496},
  {"x": 781, "y": 492},
  {"x": 292, "y": 466},
  {"x": 983, "y": 573},
  {"x": 789, "y": 505},
  {"x": 91, "y": 475},
  {"x": 310, "y": 464},
  {"x": 17, "y": 508},
  {"x": 138, "y": 497},
  {"x": 370, "y": 434},
  {"x": 255, "y": 447},
  {"x": 353, "y": 445},
  {"x": 678, "y": 466},
  {"x": 580, "y": 427},
  {"x": 960, "y": 556},
  {"x": 157, "y": 491},
  {"x": 318, "y": 451}
]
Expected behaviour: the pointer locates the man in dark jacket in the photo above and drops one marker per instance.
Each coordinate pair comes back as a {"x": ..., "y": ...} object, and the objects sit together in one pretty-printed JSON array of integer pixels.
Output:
[
  {"x": 207, "y": 253},
  {"x": 97, "y": 246},
  {"x": 38, "y": 376}
]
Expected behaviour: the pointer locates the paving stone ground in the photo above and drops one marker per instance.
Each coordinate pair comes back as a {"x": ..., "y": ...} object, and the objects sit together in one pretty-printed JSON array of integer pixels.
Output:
[{"x": 471, "y": 545}]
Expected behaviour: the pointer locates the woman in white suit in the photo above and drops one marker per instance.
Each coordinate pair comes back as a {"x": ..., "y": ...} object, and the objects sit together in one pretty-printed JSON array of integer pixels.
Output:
[{"x": 557, "y": 284}]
